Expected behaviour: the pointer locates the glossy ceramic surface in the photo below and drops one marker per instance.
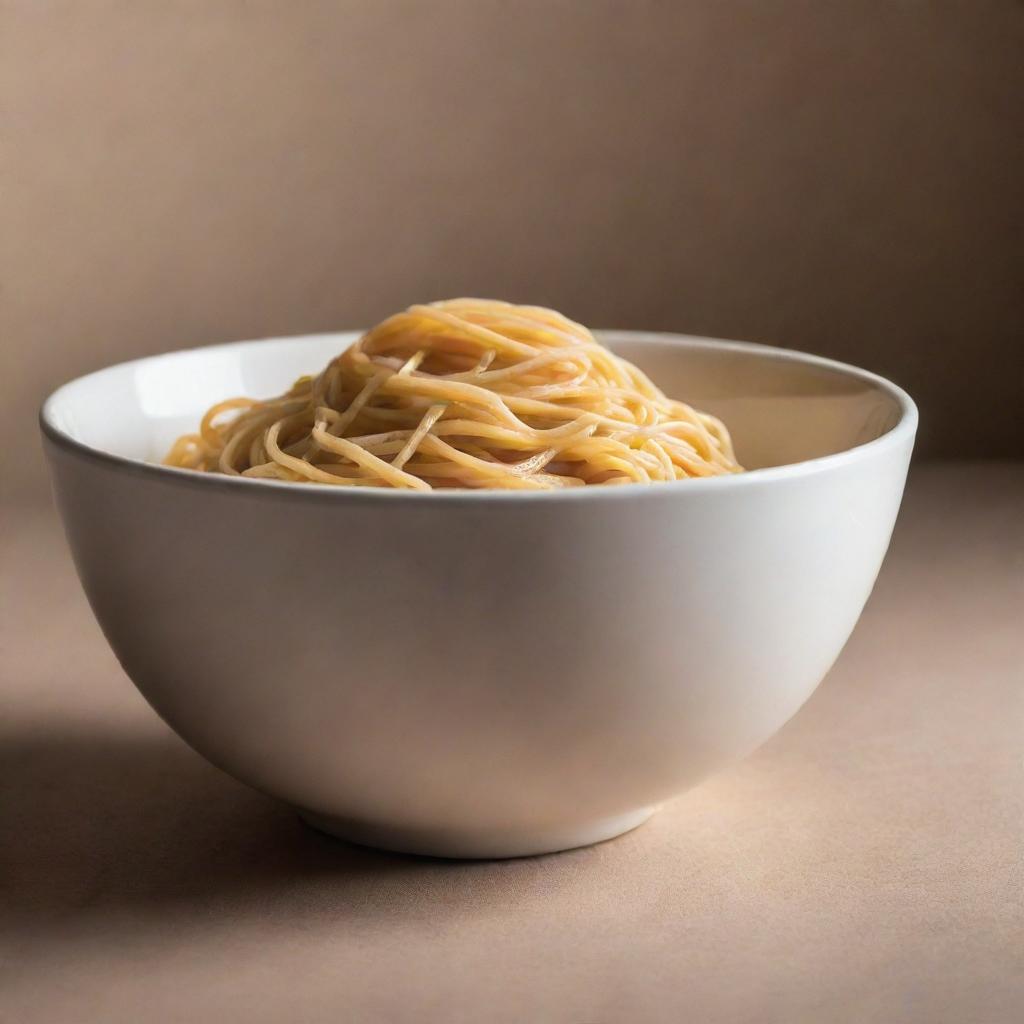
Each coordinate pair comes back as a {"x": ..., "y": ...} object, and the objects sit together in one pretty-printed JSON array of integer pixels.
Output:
[{"x": 481, "y": 674}]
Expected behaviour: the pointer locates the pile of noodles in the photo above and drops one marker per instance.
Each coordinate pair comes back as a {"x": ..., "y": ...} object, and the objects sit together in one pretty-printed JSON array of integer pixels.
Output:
[{"x": 467, "y": 393}]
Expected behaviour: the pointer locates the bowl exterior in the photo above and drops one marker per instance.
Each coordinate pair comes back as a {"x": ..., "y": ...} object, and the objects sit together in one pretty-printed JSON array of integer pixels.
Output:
[{"x": 477, "y": 676}]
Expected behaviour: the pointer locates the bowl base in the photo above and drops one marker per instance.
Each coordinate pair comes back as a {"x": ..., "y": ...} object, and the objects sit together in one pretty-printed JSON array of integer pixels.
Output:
[{"x": 467, "y": 844}]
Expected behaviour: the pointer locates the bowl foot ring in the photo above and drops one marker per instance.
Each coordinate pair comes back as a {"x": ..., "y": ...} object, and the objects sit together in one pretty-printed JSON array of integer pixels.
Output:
[{"x": 476, "y": 844}]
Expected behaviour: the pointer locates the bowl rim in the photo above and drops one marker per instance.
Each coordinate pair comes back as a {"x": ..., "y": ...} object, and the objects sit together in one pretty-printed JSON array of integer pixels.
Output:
[{"x": 903, "y": 430}]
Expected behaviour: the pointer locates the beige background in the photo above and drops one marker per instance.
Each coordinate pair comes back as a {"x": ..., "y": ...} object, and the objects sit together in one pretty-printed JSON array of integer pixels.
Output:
[
  {"x": 840, "y": 177},
  {"x": 837, "y": 176}
]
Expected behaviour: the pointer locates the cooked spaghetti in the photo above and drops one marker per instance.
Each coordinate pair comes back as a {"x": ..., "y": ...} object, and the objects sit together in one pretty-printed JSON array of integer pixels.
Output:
[{"x": 468, "y": 393}]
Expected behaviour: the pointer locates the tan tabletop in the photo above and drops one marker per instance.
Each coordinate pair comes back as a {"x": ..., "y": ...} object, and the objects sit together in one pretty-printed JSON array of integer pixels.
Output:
[{"x": 864, "y": 866}]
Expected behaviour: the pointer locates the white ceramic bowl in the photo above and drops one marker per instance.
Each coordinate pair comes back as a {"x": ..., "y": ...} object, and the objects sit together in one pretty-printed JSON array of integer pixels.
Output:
[{"x": 486, "y": 673}]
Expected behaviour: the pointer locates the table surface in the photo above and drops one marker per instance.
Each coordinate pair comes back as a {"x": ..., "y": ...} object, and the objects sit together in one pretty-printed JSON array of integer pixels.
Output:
[{"x": 865, "y": 865}]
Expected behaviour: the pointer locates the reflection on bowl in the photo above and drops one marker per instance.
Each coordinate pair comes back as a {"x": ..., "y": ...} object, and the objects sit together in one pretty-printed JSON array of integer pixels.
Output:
[{"x": 481, "y": 673}]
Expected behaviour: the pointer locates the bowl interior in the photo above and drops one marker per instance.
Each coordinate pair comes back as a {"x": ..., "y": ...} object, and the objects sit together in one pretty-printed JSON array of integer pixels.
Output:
[{"x": 781, "y": 407}]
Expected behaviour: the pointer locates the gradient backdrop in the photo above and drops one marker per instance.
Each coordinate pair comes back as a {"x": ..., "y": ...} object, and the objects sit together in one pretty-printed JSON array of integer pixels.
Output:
[{"x": 838, "y": 177}]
